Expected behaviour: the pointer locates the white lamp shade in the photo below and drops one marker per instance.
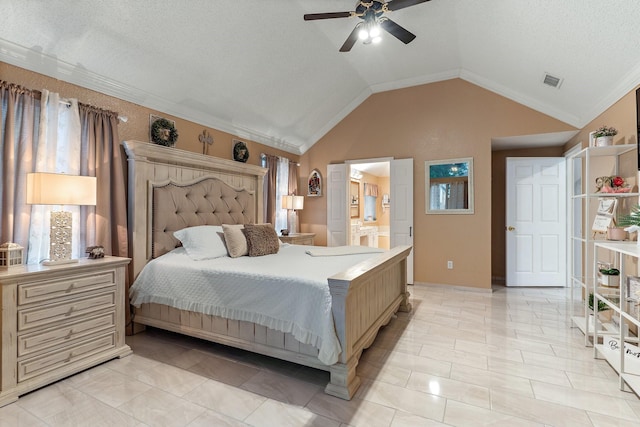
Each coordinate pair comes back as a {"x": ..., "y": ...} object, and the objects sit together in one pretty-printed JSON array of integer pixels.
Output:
[
  {"x": 298, "y": 202},
  {"x": 287, "y": 202},
  {"x": 293, "y": 202},
  {"x": 60, "y": 189}
]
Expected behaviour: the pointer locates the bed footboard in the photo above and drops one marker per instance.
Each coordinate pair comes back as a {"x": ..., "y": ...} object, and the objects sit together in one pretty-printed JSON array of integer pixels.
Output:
[{"x": 364, "y": 298}]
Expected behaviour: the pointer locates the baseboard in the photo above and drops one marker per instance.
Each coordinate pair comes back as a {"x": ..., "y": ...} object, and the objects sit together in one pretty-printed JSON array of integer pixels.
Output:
[{"x": 457, "y": 287}]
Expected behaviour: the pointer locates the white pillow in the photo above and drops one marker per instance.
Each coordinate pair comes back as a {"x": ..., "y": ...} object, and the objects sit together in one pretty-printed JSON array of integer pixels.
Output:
[
  {"x": 202, "y": 242},
  {"x": 235, "y": 240}
]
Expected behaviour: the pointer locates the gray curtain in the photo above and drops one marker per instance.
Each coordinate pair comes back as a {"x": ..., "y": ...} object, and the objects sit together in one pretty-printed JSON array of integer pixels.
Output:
[
  {"x": 101, "y": 147},
  {"x": 18, "y": 127}
]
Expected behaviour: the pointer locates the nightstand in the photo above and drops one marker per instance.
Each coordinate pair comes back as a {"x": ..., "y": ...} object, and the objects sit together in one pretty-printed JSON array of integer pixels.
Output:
[
  {"x": 59, "y": 320},
  {"x": 298, "y": 239}
]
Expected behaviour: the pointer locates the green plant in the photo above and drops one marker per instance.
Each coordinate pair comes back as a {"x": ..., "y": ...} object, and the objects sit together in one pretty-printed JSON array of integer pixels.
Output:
[
  {"x": 633, "y": 218},
  {"x": 605, "y": 131},
  {"x": 601, "y": 304}
]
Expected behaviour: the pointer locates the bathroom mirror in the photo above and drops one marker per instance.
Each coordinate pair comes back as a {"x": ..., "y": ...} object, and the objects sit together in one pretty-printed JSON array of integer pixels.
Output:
[
  {"x": 449, "y": 186},
  {"x": 354, "y": 199}
]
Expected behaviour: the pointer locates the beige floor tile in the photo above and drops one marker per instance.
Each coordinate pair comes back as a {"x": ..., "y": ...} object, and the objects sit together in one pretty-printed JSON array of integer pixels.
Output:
[
  {"x": 586, "y": 367},
  {"x": 450, "y": 389},
  {"x": 503, "y": 352},
  {"x": 281, "y": 388},
  {"x": 92, "y": 413},
  {"x": 419, "y": 364},
  {"x": 588, "y": 401},
  {"x": 463, "y": 415},
  {"x": 554, "y": 414},
  {"x": 213, "y": 419},
  {"x": 464, "y": 357},
  {"x": 354, "y": 412},
  {"x": 607, "y": 386},
  {"x": 223, "y": 370},
  {"x": 411, "y": 401},
  {"x": 51, "y": 400},
  {"x": 170, "y": 379},
  {"x": 108, "y": 386},
  {"x": 159, "y": 408},
  {"x": 491, "y": 380},
  {"x": 277, "y": 414},
  {"x": 507, "y": 367},
  {"x": 225, "y": 399},
  {"x": 387, "y": 373},
  {"x": 402, "y": 419},
  {"x": 600, "y": 420},
  {"x": 14, "y": 415}
]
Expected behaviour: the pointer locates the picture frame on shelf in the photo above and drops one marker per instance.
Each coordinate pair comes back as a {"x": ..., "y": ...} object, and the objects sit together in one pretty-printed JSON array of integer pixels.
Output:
[
  {"x": 633, "y": 288},
  {"x": 314, "y": 187}
]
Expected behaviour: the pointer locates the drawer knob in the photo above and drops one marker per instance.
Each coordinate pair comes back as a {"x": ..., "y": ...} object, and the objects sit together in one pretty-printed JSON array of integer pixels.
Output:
[
  {"x": 71, "y": 310},
  {"x": 72, "y": 285},
  {"x": 69, "y": 335}
]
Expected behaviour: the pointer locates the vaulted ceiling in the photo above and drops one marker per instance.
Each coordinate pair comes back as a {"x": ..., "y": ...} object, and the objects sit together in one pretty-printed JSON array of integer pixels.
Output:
[{"x": 256, "y": 69}]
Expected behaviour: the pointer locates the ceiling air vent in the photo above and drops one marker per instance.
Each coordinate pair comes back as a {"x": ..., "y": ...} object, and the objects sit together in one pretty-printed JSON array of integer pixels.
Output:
[{"x": 552, "y": 81}]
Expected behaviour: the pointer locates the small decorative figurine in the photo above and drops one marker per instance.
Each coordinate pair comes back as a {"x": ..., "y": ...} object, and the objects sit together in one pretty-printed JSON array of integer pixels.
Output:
[{"x": 95, "y": 252}]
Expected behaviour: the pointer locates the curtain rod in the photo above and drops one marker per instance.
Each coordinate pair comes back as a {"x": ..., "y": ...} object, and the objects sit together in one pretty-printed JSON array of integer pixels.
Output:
[
  {"x": 263, "y": 155},
  {"x": 64, "y": 101}
]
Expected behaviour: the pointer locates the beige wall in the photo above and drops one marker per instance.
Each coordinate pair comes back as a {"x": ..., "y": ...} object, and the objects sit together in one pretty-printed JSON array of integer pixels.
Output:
[
  {"x": 137, "y": 127},
  {"x": 441, "y": 120},
  {"x": 498, "y": 202}
]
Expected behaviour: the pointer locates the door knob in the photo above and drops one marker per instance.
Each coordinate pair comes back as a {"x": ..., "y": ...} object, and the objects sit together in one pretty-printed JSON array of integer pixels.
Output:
[{"x": 510, "y": 228}]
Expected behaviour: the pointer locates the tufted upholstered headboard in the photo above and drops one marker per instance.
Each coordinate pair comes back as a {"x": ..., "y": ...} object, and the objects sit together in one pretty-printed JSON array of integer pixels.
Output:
[
  {"x": 172, "y": 171},
  {"x": 206, "y": 201}
]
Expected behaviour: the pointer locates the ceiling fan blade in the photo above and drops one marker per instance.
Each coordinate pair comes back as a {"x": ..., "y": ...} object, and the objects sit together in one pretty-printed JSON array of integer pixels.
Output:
[
  {"x": 397, "y": 31},
  {"x": 401, "y": 4},
  {"x": 351, "y": 40},
  {"x": 331, "y": 15}
]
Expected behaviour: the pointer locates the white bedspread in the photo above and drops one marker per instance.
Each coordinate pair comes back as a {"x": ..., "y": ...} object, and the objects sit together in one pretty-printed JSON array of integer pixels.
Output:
[
  {"x": 342, "y": 250},
  {"x": 287, "y": 291}
]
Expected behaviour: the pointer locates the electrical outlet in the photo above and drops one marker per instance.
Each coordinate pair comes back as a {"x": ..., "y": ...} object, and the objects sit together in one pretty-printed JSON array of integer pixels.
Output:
[{"x": 450, "y": 265}]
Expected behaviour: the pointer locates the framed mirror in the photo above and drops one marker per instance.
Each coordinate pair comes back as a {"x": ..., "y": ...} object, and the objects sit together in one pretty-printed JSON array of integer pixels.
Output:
[{"x": 449, "y": 186}]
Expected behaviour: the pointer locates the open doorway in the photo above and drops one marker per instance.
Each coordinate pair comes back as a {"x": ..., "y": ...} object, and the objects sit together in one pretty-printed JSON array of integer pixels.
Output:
[{"x": 369, "y": 204}]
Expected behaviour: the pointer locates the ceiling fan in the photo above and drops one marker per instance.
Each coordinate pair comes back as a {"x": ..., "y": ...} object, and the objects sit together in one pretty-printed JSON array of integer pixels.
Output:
[{"x": 371, "y": 12}]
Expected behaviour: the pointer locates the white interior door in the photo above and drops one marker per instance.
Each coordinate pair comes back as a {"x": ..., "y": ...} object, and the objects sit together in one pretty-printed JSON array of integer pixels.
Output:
[
  {"x": 536, "y": 221},
  {"x": 401, "y": 224},
  {"x": 336, "y": 185}
]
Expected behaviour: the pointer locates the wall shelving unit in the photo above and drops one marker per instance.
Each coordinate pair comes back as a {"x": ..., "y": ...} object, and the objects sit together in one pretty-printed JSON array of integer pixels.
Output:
[
  {"x": 585, "y": 166},
  {"x": 625, "y": 310}
]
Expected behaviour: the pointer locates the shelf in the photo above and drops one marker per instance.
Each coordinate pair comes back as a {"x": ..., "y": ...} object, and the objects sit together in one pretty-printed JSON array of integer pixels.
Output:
[
  {"x": 631, "y": 374},
  {"x": 611, "y": 150},
  {"x": 627, "y": 248},
  {"x": 607, "y": 328}
]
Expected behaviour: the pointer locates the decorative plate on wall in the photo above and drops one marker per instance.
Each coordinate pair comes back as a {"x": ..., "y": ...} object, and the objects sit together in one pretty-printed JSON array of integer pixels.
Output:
[{"x": 240, "y": 151}]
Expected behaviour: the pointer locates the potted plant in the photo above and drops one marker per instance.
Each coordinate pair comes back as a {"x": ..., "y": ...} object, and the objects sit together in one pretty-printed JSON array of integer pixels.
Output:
[
  {"x": 603, "y": 309},
  {"x": 631, "y": 222},
  {"x": 604, "y": 136}
]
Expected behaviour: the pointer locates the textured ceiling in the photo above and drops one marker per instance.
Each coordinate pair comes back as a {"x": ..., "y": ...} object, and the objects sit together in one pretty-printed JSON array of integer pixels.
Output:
[{"x": 256, "y": 69}]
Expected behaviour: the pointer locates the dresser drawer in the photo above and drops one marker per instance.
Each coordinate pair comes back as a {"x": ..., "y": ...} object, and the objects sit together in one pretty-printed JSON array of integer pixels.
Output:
[
  {"x": 50, "y": 313},
  {"x": 63, "y": 334},
  {"x": 32, "y": 367},
  {"x": 45, "y": 290}
]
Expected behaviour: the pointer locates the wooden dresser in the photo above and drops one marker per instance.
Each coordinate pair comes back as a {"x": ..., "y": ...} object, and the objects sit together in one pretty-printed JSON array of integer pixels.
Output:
[
  {"x": 298, "y": 238},
  {"x": 59, "y": 320}
]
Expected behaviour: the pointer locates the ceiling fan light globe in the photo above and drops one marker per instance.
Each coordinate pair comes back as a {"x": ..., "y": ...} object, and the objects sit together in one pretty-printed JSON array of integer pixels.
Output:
[
  {"x": 376, "y": 40},
  {"x": 374, "y": 32},
  {"x": 363, "y": 34}
]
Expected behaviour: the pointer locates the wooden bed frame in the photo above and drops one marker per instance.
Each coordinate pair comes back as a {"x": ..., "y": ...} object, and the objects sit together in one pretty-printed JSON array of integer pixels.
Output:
[{"x": 364, "y": 298}]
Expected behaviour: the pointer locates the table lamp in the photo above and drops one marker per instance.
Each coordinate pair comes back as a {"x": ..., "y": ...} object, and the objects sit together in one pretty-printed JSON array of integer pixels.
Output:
[
  {"x": 292, "y": 204},
  {"x": 60, "y": 189}
]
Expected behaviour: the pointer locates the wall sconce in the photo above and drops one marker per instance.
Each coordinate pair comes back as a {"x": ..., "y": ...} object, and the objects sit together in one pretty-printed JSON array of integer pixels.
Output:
[{"x": 60, "y": 189}]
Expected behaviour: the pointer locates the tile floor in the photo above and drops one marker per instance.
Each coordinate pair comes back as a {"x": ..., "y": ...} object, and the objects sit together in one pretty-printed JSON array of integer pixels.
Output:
[{"x": 461, "y": 358}]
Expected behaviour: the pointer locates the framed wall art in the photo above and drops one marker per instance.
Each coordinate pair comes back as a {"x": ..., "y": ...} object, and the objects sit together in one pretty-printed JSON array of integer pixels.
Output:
[
  {"x": 314, "y": 188},
  {"x": 240, "y": 151}
]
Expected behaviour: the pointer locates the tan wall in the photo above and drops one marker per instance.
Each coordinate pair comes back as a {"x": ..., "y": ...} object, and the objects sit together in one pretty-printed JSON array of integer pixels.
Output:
[
  {"x": 441, "y": 120},
  {"x": 137, "y": 127},
  {"x": 621, "y": 115},
  {"x": 498, "y": 201}
]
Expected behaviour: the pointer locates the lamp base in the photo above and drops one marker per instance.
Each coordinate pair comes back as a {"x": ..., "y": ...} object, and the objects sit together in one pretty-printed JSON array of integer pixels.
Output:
[{"x": 60, "y": 261}]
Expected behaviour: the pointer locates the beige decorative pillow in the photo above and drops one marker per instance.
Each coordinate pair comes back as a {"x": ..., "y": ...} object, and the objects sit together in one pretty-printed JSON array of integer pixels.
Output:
[
  {"x": 261, "y": 239},
  {"x": 235, "y": 240}
]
